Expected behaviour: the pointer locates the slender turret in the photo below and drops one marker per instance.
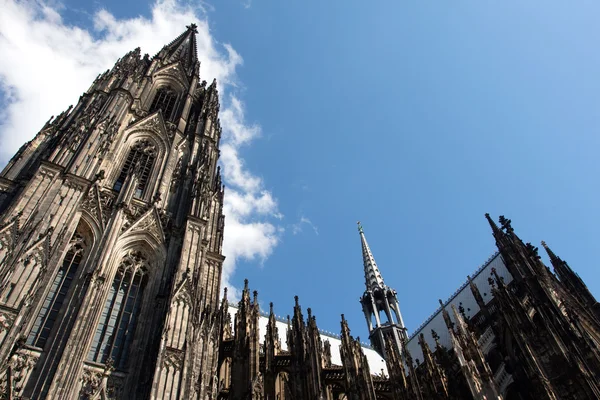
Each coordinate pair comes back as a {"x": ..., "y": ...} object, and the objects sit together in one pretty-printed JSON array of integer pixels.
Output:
[
  {"x": 379, "y": 297},
  {"x": 571, "y": 280}
]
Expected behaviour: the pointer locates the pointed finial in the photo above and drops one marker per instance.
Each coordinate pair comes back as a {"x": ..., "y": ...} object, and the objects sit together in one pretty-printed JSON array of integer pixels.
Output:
[
  {"x": 255, "y": 295},
  {"x": 360, "y": 228},
  {"x": 447, "y": 320},
  {"x": 553, "y": 257},
  {"x": 497, "y": 278},
  {"x": 296, "y": 300},
  {"x": 245, "y": 284},
  {"x": 224, "y": 293},
  {"x": 271, "y": 308},
  {"x": 343, "y": 319},
  {"x": 192, "y": 27},
  {"x": 495, "y": 228}
]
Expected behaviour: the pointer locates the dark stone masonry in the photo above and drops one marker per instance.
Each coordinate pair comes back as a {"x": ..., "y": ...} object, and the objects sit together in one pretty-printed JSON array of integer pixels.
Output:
[{"x": 111, "y": 230}]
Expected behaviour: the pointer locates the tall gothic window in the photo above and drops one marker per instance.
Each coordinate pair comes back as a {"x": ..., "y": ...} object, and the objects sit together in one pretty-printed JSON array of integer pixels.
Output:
[
  {"x": 116, "y": 327},
  {"x": 55, "y": 298},
  {"x": 140, "y": 159},
  {"x": 164, "y": 100}
]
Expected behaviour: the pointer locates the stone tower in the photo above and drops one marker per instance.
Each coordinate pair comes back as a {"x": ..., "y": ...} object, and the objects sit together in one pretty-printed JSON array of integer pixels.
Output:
[
  {"x": 111, "y": 230},
  {"x": 387, "y": 333},
  {"x": 377, "y": 299}
]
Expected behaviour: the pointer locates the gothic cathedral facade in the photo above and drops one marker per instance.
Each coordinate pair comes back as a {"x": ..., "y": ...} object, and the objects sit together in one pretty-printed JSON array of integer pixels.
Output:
[
  {"x": 111, "y": 231},
  {"x": 111, "y": 237}
]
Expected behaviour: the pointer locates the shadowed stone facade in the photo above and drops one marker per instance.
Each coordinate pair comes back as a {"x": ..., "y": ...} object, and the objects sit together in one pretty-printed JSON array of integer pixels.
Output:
[
  {"x": 111, "y": 230},
  {"x": 111, "y": 237}
]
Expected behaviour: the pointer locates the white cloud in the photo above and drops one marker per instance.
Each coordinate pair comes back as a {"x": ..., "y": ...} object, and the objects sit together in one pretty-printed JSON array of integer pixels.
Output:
[
  {"x": 46, "y": 64},
  {"x": 297, "y": 227}
]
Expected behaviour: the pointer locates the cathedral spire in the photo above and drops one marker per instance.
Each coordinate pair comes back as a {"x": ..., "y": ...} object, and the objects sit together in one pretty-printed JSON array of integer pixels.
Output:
[
  {"x": 495, "y": 230},
  {"x": 380, "y": 302},
  {"x": 373, "y": 278},
  {"x": 570, "y": 279},
  {"x": 553, "y": 257},
  {"x": 182, "y": 48}
]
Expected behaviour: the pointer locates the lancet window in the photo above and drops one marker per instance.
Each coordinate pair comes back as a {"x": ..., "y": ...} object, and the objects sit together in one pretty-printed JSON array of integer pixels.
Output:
[
  {"x": 116, "y": 328},
  {"x": 141, "y": 160},
  {"x": 164, "y": 100},
  {"x": 56, "y": 296}
]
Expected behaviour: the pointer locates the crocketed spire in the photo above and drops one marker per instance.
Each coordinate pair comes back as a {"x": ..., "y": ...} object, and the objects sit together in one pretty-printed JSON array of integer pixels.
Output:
[
  {"x": 380, "y": 304},
  {"x": 373, "y": 278},
  {"x": 183, "y": 48}
]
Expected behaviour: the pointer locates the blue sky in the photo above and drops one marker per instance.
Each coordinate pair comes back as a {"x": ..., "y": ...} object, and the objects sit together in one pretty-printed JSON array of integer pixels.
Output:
[{"x": 416, "y": 118}]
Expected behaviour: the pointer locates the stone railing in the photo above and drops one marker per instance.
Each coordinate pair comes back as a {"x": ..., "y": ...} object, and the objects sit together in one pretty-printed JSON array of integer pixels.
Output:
[
  {"x": 486, "y": 340},
  {"x": 502, "y": 378}
]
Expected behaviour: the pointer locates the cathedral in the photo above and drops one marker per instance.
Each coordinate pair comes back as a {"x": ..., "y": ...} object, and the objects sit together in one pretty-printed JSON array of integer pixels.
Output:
[{"x": 111, "y": 231}]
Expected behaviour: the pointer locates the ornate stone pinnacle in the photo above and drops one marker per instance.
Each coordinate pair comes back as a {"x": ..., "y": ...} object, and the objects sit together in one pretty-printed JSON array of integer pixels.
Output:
[{"x": 192, "y": 27}]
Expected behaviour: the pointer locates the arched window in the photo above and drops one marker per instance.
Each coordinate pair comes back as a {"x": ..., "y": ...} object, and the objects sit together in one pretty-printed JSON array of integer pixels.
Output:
[
  {"x": 116, "y": 327},
  {"x": 164, "y": 100},
  {"x": 140, "y": 159},
  {"x": 56, "y": 296}
]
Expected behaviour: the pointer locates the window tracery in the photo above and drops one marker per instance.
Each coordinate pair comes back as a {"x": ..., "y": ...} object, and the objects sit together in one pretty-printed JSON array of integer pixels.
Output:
[
  {"x": 164, "y": 100},
  {"x": 116, "y": 328},
  {"x": 58, "y": 292},
  {"x": 141, "y": 160}
]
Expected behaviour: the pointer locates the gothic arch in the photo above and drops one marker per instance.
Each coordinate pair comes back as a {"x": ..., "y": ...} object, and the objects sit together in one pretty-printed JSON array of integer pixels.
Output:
[
  {"x": 153, "y": 138},
  {"x": 178, "y": 317},
  {"x": 143, "y": 241},
  {"x": 134, "y": 271},
  {"x": 71, "y": 268},
  {"x": 172, "y": 75},
  {"x": 93, "y": 227}
]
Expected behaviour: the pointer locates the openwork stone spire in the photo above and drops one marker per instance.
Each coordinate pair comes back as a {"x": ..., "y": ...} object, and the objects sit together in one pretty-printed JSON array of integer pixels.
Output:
[
  {"x": 380, "y": 304},
  {"x": 373, "y": 278}
]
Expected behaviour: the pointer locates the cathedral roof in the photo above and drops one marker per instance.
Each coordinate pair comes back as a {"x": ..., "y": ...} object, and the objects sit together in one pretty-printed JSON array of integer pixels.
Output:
[{"x": 462, "y": 297}]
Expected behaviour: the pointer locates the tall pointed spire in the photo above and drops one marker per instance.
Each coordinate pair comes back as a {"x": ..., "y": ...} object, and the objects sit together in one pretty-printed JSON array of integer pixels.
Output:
[
  {"x": 183, "y": 48},
  {"x": 373, "y": 278},
  {"x": 553, "y": 257},
  {"x": 571, "y": 279},
  {"x": 493, "y": 225},
  {"x": 378, "y": 298}
]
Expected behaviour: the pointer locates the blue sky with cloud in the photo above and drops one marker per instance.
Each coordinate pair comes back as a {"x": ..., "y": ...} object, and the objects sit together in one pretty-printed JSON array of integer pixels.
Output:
[{"x": 414, "y": 117}]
